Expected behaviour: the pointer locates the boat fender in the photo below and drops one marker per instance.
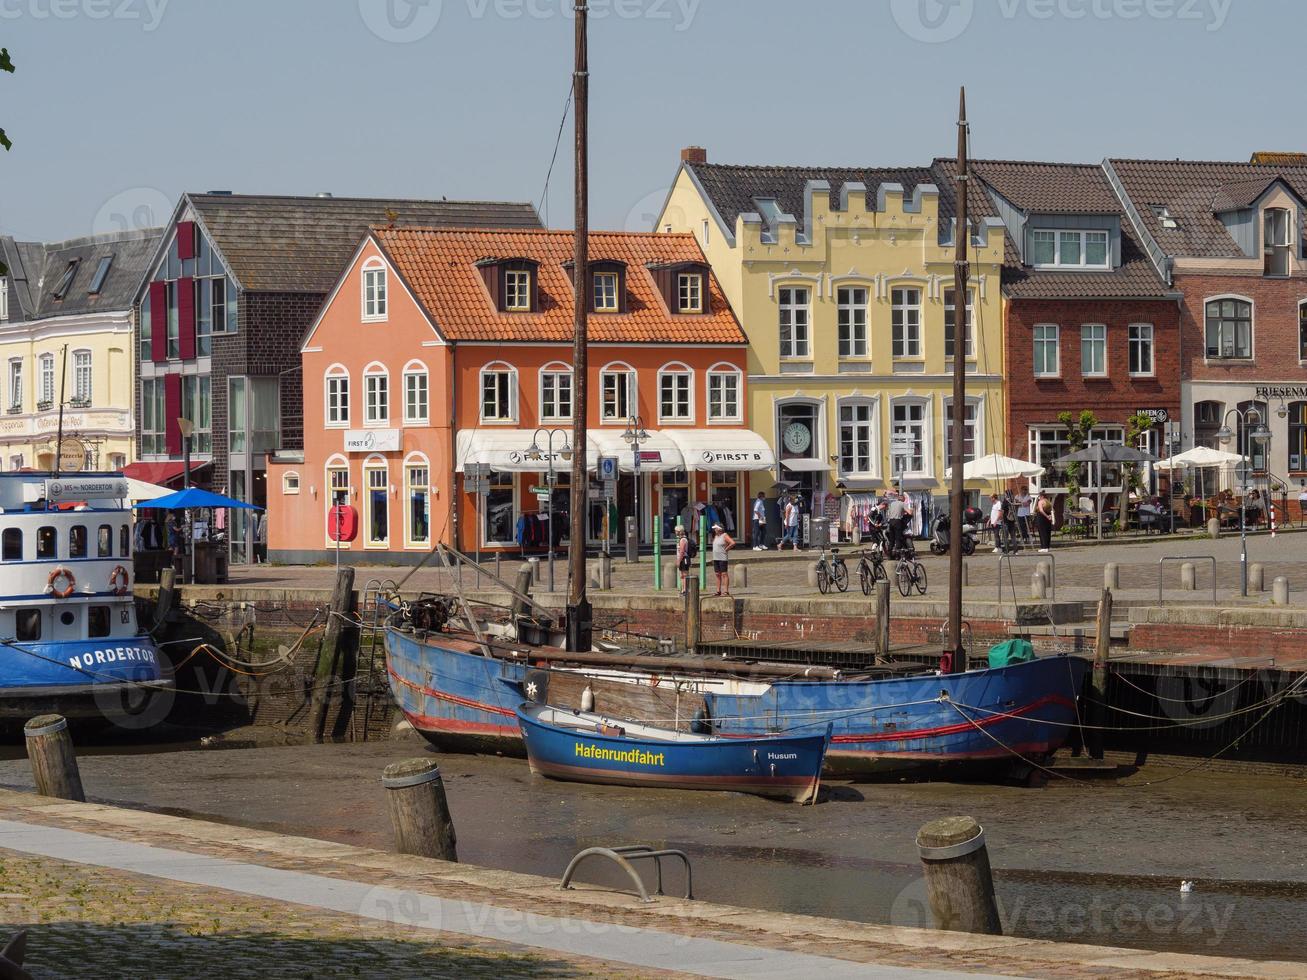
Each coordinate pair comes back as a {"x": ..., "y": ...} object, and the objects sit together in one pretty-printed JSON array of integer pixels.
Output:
[
  {"x": 702, "y": 722},
  {"x": 588, "y": 699},
  {"x": 61, "y": 592},
  {"x": 119, "y": 580}
]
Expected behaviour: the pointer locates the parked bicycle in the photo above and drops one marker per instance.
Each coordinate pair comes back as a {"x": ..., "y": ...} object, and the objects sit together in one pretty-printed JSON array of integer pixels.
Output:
[
  {"x": 831, "y": 570},
  {"x": 871, "y": 568},
  {"x": 909, "y": 572}
]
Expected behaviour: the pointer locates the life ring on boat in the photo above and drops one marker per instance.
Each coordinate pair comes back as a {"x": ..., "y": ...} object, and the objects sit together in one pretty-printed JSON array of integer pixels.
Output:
[
  {"x": 61, "y": 573},
  {"x": 119, "y": 580}
]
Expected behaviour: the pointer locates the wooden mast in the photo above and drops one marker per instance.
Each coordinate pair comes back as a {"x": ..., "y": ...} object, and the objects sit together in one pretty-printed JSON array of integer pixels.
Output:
[
  {"x": 578, "y": 606},
  {"x": 961, "y": 234}
]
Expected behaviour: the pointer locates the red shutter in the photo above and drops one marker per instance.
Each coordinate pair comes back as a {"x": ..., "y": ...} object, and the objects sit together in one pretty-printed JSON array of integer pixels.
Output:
[
  {"x": 158, "y": 321},
  {"x": 185, "y": 240},
  {"x": 172, "y": 401},
  {"x": 186, "y": 317}
]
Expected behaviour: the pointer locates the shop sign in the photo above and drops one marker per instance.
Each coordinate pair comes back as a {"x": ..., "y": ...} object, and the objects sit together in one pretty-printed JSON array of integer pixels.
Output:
[
  {"x": 1266, "y": 392},
  {"x": 371, "y": 440},
  {"x": 1159, "y": 416}
]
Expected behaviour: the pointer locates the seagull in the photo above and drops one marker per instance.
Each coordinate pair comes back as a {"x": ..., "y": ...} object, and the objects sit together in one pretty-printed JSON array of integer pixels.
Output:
[{"x": 1186, "y": 886}]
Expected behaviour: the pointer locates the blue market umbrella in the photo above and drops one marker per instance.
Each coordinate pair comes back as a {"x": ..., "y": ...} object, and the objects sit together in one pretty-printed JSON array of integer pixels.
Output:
[{"x": 193, "y": 498}]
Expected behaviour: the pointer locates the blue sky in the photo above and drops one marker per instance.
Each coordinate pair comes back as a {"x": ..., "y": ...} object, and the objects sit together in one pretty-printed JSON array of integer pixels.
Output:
[{"x": 120, "y": 105}]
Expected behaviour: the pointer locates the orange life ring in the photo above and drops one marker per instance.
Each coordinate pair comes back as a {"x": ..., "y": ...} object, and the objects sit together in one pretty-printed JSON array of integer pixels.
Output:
[
  {"x": 119, "y": 580},
  {"x": 66, "y": 575}
]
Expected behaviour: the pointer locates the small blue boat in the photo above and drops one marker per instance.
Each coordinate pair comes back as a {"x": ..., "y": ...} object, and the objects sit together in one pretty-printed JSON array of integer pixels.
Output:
[{"x": 584, "y": 747}]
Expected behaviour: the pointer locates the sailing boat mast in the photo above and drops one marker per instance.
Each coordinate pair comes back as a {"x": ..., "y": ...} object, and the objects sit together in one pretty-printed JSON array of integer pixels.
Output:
[
  {"x": 578, "y": 606},
  {"x": 961, "y": 329}
]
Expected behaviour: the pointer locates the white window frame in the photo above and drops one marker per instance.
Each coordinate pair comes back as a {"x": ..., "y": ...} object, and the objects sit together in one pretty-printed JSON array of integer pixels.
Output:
[
  {"x": 45, "y": 371},
  {"x": 517, "y": 283},
  {"x": 417, "y": 371},
  {"x": 1252, "y": 327},
  {"x": 927, "y": 436},
  {"x": 969, "y": 329},
  {"x": 681, "y": 377},
  {"x": 1286, "y": 245},
  {"x": 371, "y": 466},
  {"x": 977, "y": 405},
  {"x": 4, "y": 298},
  {"x": 596, "y": 293},
  {"x": 88, "y": 370},
  {"x": 376, "y": 396},
  {"x": 873, "y": 470},
  {"x": 905, "y": 324},
  {"x": 1087, "y": 334},
  {"x": 335, "y": 464},
  {"x": 374, "y": 291},
  {"x": 413, "y": 461},
  {"x": 497, "y": 368},
  {"x": 1082, "y": 237},
  {"x": 1141, "y": 342},
  {"x": 719, "y": 373},
  {"x": 614, "y": 369},
  {"x": 555, "y": 369},
  {"x": 852, "y": 322},
  {"x": 290, "y": 483},
  {"x": 689, "y": 292},
  {"x": 1036, "y": 341},
  {"x": 333, "y": 374},
  {"x": 15, "y": 384},
  {"x": 798, "y": 347}
]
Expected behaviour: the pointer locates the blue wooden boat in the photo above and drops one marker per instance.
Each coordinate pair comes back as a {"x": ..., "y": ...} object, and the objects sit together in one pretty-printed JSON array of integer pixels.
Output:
[{"x": 584, "y": 747}]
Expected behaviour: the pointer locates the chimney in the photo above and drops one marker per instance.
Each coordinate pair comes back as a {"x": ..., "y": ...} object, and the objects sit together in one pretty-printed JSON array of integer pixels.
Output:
[{"x": 694, "y": 154}]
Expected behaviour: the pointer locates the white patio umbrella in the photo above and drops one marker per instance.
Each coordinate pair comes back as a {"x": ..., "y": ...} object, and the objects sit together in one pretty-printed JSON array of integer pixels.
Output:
[
  {"x": 996, "y": 466},
  {"x": 140, "y": 490},
  {"x": 1201, "y": 458}
]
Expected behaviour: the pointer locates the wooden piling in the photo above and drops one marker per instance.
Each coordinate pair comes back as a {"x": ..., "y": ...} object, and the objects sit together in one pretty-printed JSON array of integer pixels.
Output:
[
  {"x": 692, "y": 615},
  {"x": 418, "y": 809},
  {"x": 332, "y": 654},
  {"x": 882, "y": 618},
  {"x": 167, "y": 594},
  {"x": 53, "y": 758},
  {"x": 1096, "y": 708},
  {"x": 959, "y": 882}
]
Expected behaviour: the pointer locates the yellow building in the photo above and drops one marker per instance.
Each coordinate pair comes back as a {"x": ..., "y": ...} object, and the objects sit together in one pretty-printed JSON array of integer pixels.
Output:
[
  {"x": 66, "y": 334},
  {"x": 843, "y": 281}
]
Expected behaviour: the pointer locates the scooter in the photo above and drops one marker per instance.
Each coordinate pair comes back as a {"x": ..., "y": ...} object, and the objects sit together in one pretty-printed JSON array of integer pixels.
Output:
[{"x": 939, "y": 538}]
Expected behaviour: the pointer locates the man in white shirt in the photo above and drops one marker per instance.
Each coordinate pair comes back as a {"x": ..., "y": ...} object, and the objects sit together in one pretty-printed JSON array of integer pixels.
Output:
[
  {"x": 996, "y": 521},
  {"x": 760, "y": 522}
]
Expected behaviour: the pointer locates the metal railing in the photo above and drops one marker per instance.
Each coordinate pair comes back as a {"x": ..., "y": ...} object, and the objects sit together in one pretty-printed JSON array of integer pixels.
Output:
[
  {"x": 1161, "y": 563},
  {"x": 623, "y": 856}
]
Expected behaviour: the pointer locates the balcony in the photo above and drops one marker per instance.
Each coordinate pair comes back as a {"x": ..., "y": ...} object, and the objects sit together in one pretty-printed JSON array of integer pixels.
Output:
[
  {"x": 44, "y": 406},
  {"x": 79, "y": 403},
  {"x": 14, "y": 410}
]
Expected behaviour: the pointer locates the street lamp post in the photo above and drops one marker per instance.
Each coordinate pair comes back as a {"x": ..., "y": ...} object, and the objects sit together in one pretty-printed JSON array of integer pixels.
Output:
[
  {"x": 634, "y": 435},
  {"x": 187, "y": 429},
  {"x": 565, "y": 452},
  {"x": 1261, "y": 434}
]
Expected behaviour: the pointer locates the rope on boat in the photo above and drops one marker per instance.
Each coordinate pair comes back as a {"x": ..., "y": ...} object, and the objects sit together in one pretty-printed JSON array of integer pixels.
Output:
[{"x": 1153, "y": 694}]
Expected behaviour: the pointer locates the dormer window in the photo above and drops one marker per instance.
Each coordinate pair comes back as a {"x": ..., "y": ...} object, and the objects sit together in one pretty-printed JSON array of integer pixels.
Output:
[
  {"x": 605, "y": 292},
  {"x": 512, "y": 283},
  {"x": 517, "y": 290},
  {"x": 1275, "y": 242},
  {"x": 1068, "y": 249},
  {"x": 689, "y": 292},
  {"x": 683, "y": 286}
]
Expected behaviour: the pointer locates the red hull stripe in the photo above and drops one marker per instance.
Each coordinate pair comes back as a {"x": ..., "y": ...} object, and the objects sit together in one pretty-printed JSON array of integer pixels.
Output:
[
  {"x": 453, "y": 698},
  {"x": 962, "y": 726}
]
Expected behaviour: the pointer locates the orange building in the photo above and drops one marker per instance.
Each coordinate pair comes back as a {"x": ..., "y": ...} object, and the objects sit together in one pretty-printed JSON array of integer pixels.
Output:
[{"x": 438, "y": 392}]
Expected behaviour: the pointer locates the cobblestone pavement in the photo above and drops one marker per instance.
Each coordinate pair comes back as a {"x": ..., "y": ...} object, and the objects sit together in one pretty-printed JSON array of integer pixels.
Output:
[{"x": 87, "y": 921}]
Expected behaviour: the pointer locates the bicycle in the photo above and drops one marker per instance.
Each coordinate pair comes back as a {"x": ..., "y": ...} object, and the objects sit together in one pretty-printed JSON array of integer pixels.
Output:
[
  {"x": 909, "y": 572},
  {"x": 831, "y": 570},
  {"x": 871, "y": 568}
]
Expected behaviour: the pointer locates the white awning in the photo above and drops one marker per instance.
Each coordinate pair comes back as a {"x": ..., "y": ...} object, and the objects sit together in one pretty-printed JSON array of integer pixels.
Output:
[
  {"x": 506, "y": 450},
  {"x": 658, "y": 454},
  {"x": 723, "y": 450},
  {"x": 806, "y": 465}
]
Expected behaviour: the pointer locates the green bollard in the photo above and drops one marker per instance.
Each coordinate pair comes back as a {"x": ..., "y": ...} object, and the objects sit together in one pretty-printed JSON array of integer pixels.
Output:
[
  {"x": 703, "y": 551},
  {"x": 658, "y": 556}
]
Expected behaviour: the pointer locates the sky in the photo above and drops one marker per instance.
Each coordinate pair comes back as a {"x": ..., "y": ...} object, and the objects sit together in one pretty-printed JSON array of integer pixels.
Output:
[{"x": 119, "y": 106}]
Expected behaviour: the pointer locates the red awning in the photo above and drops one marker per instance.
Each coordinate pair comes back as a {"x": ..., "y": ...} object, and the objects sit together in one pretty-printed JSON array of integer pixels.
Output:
[{"x": 161, "y": 474}]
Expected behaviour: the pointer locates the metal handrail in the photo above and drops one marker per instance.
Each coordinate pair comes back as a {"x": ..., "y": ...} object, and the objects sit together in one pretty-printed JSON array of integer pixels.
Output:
[
  {"x": 1052, "y": 568},
  {"x": 1161, "y": 563},
  {"x": 623, "y": 856}
]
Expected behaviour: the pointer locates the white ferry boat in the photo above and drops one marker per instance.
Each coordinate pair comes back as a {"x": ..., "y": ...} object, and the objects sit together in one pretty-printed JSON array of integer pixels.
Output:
[{"x": 69, "y": 639}]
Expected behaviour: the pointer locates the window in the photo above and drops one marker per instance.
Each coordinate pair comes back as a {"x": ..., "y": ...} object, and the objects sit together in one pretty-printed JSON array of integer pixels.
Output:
[
  {"x": 675, "y": 384},
  {"x": 197, "y": 405},
  {"x": 908, "y": 435},
  {"x": 82, "y": 378},
  {"x": 950, "y": 320},
  {"x": 497, "y": 394},
  {"x": 104, "y": 541},
  {"x": 1064, "y": 249},
  {"x": 418, "y": 490},
  {"x": 517, "y": 290},
  {"x": 97, "y": 621},
  {"x": 1141, "y": 350},
  {"x": 376, "y": 398},
  {"x": 852, "y": 303},
  {"x": 1047, "y": 349},
  {"x": 689, "y": 292},
  {"x": 417, "y": 396},
  {"x": 377, "y": 505},
  {"x": 905, "y": 318},
  {"x": 27, "y": 624},
  {"x": 1048, "y": 444},
  {"x": 174, "y": 323},
  {"x": 605, "y": 292},
  {"x": 794, "y": 320},
  {"x": 723, "y": 395},
  {"x": 290, "y": 484},
  {"x": 11, "y": 544},
  {"x": 1208, "y": 416},
  {"x": 338, "y": 488},
  {"x": 101, "y": 272},
  {"x": 337, "y": 390},
  {"x": 1229, "y": 327},
  {"x": 124, "y": 541},
  {"x": 1297, "y": 444},
  {"x": 500, "y": 515},
  {"x": 4, "y": 298},
  {"x": 970, "y": 430},
  {"x": 617, "y": 392},
  {"x": 153, "y": 417},
  {"x": 66, "y": 280},
  {"x": 374, "y": 290},
  {"x": 556, "y": 394},
  {"x": 46, "y": 396},
  {"x": 1246, "y": 444},
  {"x": 1093, "y": 350},
  {"x": 857, "y": 438},
  {"x": 222, "y": 308},
  {"x": 15, "y": 385},
  {"x": 77, "y": 541},
  {"x": 1302, "y": 330},
  {"x": 1275, "y": 242}
]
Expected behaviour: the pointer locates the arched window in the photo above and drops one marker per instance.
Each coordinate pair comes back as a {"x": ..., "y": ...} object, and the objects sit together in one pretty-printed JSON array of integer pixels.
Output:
[
  {"x": 725, "y": 392},
  {"x": 617, "y": 392},
  {"x": 124, "y": 541},
  {"x": 1298, "y": 437},
  {"x": 336, "y": 392},
  {"x": 373, "y": 285},
  {"x": 555, "y": 393},
  {"x": 376, "y": 395},
  {"x": 1229, "y": 327},
  {"x": 498, "y": 392},
  {"x": 417, "y": 497},
  {"x": 417, "y": 394},
  {"x": 339, "y": 492},
  {"x": 675, "y": 393},
  {"x": 45, "y": 390},
  {"x": 1207, "y": 422},
  {"x": 1302, "y": 330},
  {"x": 82, "y": 378},
  {"x": 376, "y": 503},
  {"x": 104, "y": 541},
  {"x": 77, "y": 541},
  {"x": 11, "y": 544},
  {"x": 290, "y": 483}
]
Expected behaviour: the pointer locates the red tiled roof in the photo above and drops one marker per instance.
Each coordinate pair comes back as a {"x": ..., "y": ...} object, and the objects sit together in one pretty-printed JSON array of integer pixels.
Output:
[{"x": 439, "y": 266}]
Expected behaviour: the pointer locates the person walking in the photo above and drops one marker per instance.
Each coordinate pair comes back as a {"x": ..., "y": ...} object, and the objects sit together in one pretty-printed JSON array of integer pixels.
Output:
[
  {"x": 1044, "y": 521},
  {"x": 1010, "y": 522},
  {"x": 760, "y": 522},
  {"x": 996, "y": 522},
  {"x": 790, "y": 524},
  {"x": 722, "y": 543},
  {"x": 1024, "y": 504},
  {"x": 684, "y": 554}
]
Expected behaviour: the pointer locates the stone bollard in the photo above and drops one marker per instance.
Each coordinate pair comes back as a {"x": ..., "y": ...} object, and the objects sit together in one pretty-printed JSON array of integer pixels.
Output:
[
  {"x": 1213, "y": 527},
  {"x": 54, "y": 761},
  {"x": 1280, "y": 591},
  {"x": 419, "y": 812},
  {"x": 1188, "y": 576},
  {"x": 966, "y": 572},
  {"x": 1038, "y": 586},
  {"x": 534, "y": 565},
  {"x": 673, "y": 574},
  {"x": 739, "y": 575},
  {"x": 1256, "y": 577},
  {"x": 1111, "y": 575},
  {"x": 959, "y": 883},
  {"x": 606, "y": 573},
  {"x": 812, "y": 574}
]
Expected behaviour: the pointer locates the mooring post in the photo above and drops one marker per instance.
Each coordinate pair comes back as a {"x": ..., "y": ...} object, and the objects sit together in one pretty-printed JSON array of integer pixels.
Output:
[
  {"x": 1188, "y": 576},
  {"x": 332, "y": 653},
  {"x": 1038, "y": 585},
  {"x": 1280, "y": 591},
  {"x": 692, "y": 614},
  {"x": 523, "y": 586},
  {"x": 739, "y": 575},
  {"x": 959, "y": 882},
  {"x": 419, "y": 811},
  {"x": 1256, "y": 577},
  {"x": 1111, "y": 575},
  {"x": 882, "y": 618},
  {"x": 54, "y": 761},
  {"x": 1096, "y": 709},
  {"x": 167, "y": 594}
]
